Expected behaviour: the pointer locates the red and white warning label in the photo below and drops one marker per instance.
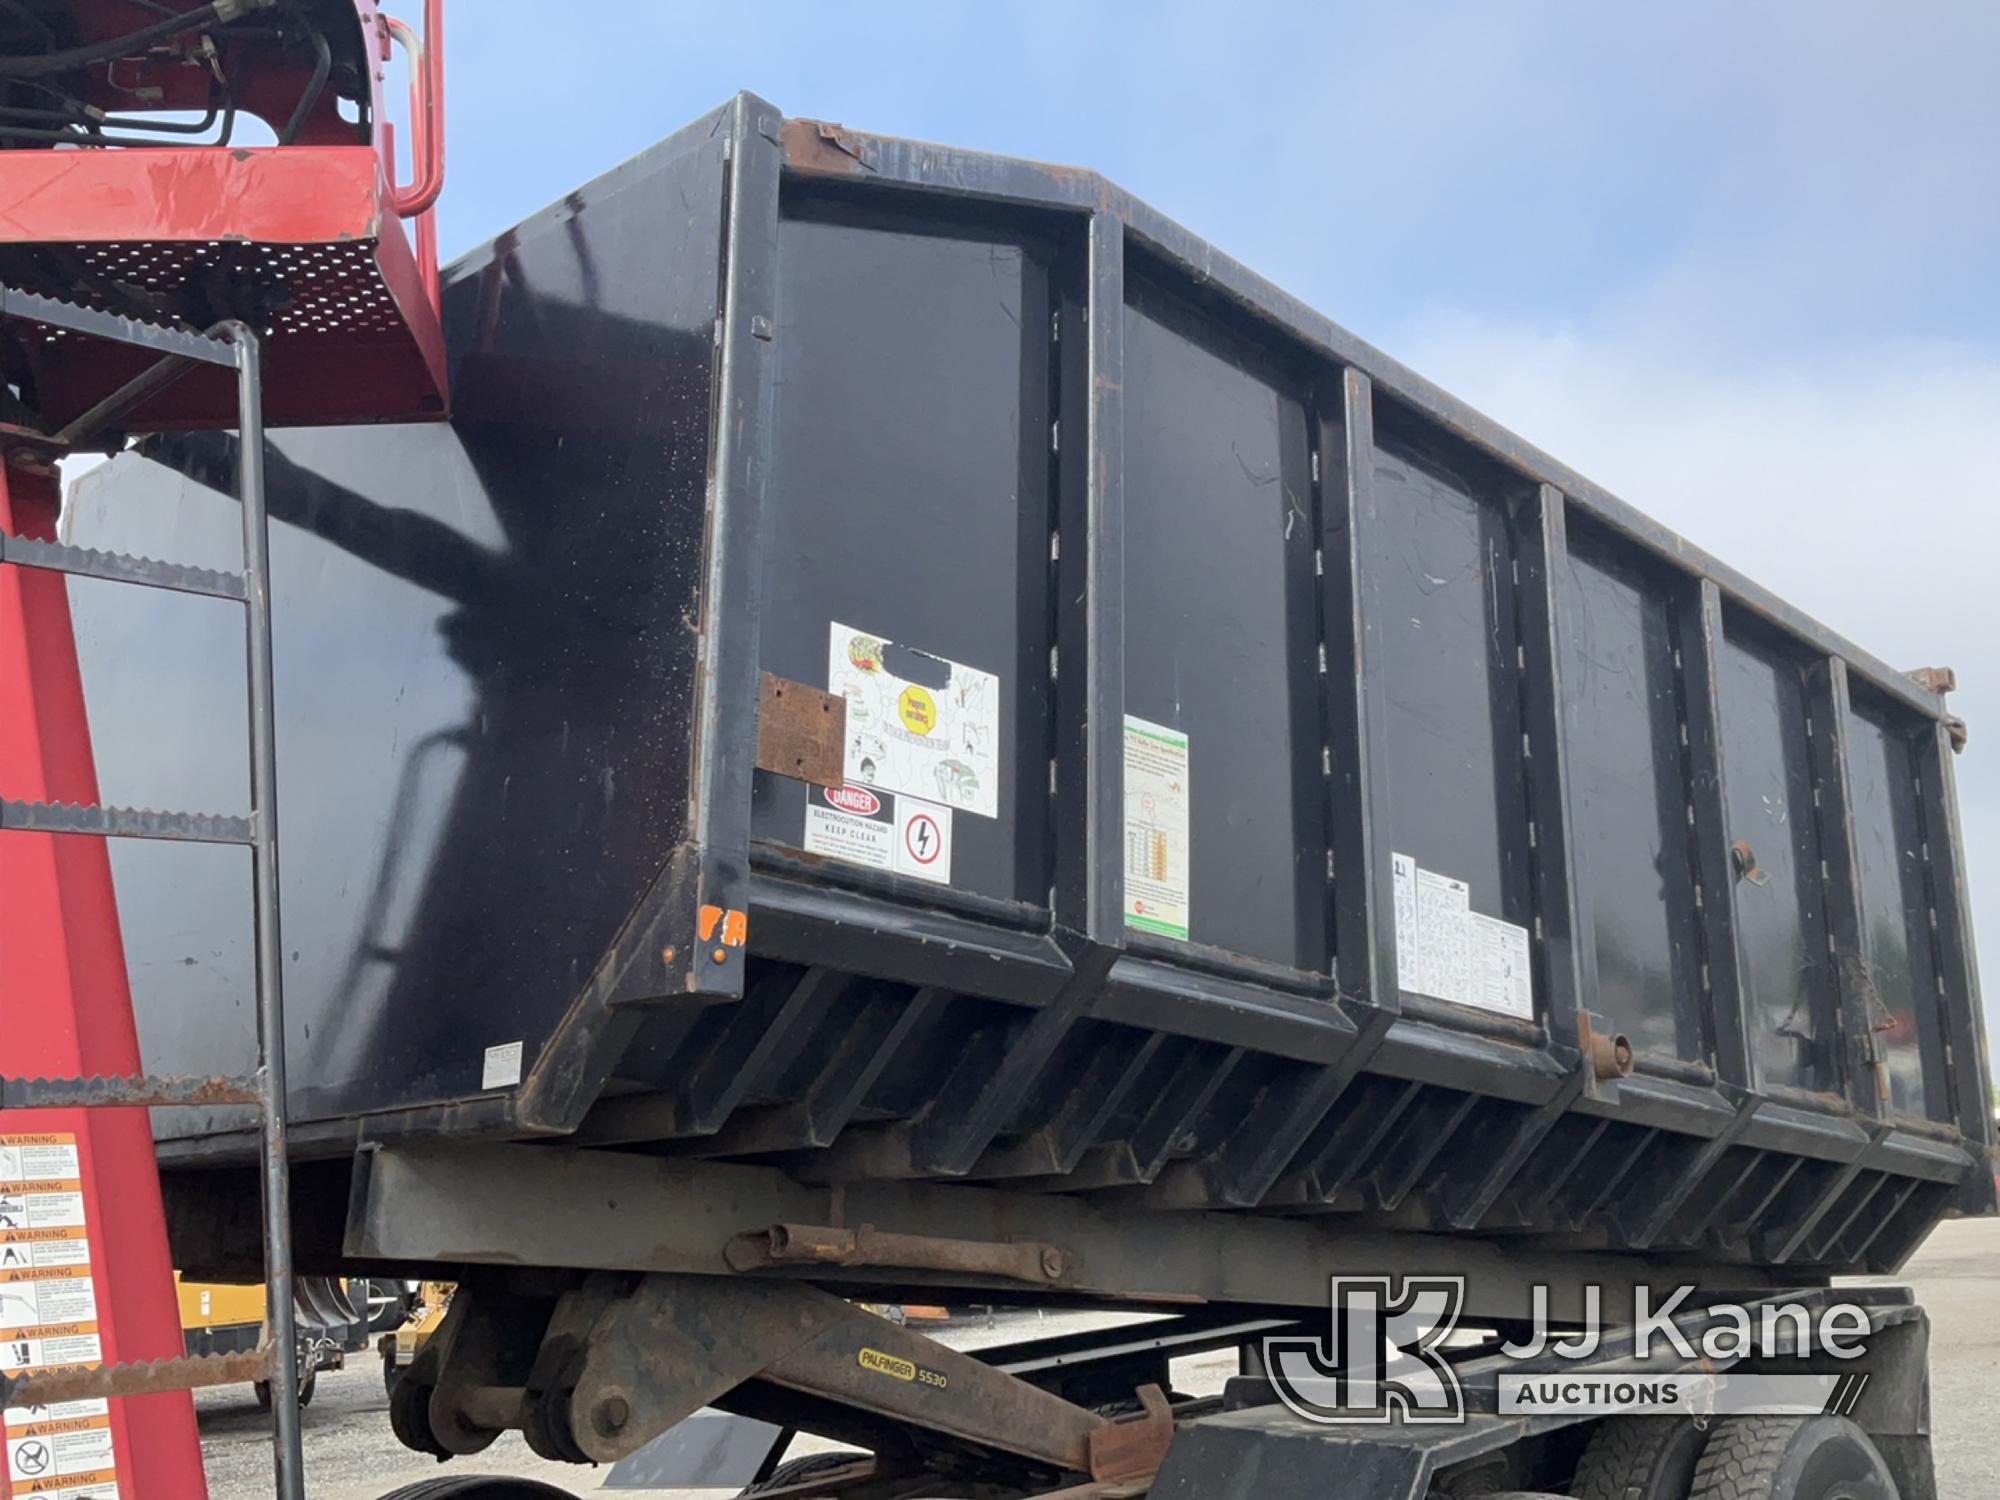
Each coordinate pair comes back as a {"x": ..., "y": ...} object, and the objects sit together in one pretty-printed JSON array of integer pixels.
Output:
[{"x": 881, "y": 830}]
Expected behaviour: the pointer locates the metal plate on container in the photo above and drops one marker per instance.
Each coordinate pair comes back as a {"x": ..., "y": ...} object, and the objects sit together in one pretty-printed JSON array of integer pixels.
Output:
[{"x": 800, "y": 731}]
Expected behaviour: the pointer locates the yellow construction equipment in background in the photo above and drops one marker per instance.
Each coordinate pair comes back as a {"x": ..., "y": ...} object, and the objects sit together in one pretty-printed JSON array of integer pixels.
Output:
[
  {"x": 335, "y": 1319},
  {"x": 420, "y": 1322}
]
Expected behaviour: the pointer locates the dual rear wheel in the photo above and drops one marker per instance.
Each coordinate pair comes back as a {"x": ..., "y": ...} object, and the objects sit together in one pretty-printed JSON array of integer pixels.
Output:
[{"x": 1740, "y": 1458}]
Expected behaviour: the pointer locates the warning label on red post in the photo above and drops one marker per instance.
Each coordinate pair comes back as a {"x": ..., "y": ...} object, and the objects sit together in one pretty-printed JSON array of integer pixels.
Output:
[{"x": 49, "y": 1320}]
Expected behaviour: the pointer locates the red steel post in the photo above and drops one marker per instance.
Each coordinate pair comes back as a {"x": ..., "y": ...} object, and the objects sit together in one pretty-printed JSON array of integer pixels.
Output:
[{"x": 65, "y": 1011}]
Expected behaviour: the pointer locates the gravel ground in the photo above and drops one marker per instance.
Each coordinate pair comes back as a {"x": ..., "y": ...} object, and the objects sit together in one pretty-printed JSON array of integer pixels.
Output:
[{"x": 350, "y": 1454}]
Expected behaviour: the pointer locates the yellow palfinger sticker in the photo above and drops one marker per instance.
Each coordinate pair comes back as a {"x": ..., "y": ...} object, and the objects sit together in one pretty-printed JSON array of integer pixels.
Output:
[{"x": 886, "y": 1364}]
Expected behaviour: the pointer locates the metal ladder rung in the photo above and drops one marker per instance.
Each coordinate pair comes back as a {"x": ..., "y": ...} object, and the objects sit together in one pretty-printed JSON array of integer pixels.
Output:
[
  {"x": 126, "y": 822},
  {"x": 96, "y": 323},
  {"x": 88, "y": 562},
  {"x": 94, "y": 1382},
  {"x": 134, "y": 1091}
]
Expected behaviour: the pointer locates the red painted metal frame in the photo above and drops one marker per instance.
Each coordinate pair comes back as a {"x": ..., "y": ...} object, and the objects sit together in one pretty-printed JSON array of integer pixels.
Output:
[
  {"x": 277, "y": 195},
  {"x": 318, "y": 226},
  {"x": 298, "y": 201},
  {"x": 66, "y": 1001}
]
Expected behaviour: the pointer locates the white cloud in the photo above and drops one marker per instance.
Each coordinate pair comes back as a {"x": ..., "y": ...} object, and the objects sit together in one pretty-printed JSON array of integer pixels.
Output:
[{"x": 1864, "y": 489}]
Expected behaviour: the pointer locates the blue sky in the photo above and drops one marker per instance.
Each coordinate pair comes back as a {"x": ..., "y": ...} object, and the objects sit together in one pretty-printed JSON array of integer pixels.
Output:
[{"x": 1738, "y": 263}]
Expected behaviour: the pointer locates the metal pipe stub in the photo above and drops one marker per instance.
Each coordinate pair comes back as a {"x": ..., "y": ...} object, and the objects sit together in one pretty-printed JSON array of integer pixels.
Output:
[{"x": 1610, "y": 1054}]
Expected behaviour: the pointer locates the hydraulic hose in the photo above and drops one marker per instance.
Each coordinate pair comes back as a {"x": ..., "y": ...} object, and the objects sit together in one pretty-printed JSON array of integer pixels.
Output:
[{"x": 216, "y": 13}]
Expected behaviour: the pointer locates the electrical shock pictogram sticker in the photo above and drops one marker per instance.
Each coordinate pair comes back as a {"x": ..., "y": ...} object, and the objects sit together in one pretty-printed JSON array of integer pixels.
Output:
[
  {"x": 48, "y": 1320},
  {"x": 923, "y": 840}
]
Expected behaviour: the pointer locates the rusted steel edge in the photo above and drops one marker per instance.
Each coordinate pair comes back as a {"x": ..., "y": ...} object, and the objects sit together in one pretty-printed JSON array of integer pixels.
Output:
[
  {"x": 1131, "y": 1451},
  {"x": 822, "y": 1245},
  {"x": 134, "y": 1092},
  {"x": 86, "y": 1382}
]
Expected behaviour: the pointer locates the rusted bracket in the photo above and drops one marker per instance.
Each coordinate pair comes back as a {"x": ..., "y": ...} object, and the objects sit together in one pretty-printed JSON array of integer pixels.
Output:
[
  {"x": 1942, "y": 680},
  {"x": 821, "y": 1245},
  {"x": 1131, "y": 1451},
  {"x": 801, "y": 732},
  {"x": 822, "y": 146}
]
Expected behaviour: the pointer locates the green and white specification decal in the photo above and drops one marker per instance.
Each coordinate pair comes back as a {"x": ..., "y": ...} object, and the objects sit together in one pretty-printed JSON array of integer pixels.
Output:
[
  {"x": 917, "y": 725},
  {"x": 1156, "y": 828}
]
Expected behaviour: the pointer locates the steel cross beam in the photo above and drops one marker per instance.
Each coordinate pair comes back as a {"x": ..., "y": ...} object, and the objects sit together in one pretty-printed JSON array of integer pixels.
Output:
[{"x": 459, "y": 1203}]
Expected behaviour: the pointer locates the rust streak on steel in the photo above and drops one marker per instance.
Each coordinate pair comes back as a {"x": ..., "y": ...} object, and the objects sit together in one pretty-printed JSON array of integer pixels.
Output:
[
  {"x": 86, "y": 1382},
  {"x": 821, "y": 1245},
  {"x": 133, "y": 1091},
  {"x": 821, "y": 146}
]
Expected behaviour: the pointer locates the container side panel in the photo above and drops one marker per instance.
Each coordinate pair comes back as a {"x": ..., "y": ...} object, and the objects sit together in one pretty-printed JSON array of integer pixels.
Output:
[
  {"x": 1629, "y": 798},
  {"x": 1221, "y": 630},
  {"x": 1443, "y": 563},
  {"x": 1895, "y": 911},
  {"x": 484, "y": 670},
  {"x": 1773, "y": 834},
  {"x": 909, "y": 502}
]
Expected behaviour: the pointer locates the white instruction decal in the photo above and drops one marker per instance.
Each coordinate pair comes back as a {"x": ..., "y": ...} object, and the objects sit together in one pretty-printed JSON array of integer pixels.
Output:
[
  {"x": 48, "y": 1319},
  {"x": 502, "y": 1069},
  {"x": 880, "y": 830},
  {"x": 1501, "y": 977},
  {"x": 1403, "y": 878},
  {"x": 937, "y": 738},
  {"x": 1448, "y": 951},
  {"x": 1156, "y": 828},
  {"x": 1444, "y": 939}
]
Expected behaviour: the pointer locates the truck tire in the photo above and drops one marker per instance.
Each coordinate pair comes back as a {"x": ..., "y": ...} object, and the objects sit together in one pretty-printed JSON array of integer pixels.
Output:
[
  {"x": 308, "y": 1383},
  {"x": 1640, "y": 1458},
  {"x": 1791, "y": 1458},
  {"x": 478, "y": 1487}
]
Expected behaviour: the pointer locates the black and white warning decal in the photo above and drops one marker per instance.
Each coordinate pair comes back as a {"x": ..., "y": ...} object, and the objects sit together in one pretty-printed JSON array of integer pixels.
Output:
[{"x": 880, "y": 830}]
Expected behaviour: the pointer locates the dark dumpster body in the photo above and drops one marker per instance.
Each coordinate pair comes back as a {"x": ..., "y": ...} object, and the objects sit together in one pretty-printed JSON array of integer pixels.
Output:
[{"x": 907, "y": 664}]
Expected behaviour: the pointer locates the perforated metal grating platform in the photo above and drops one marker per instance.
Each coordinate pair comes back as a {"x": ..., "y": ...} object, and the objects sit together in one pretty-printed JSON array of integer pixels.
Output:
[{"x": 285, "y": 291}]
